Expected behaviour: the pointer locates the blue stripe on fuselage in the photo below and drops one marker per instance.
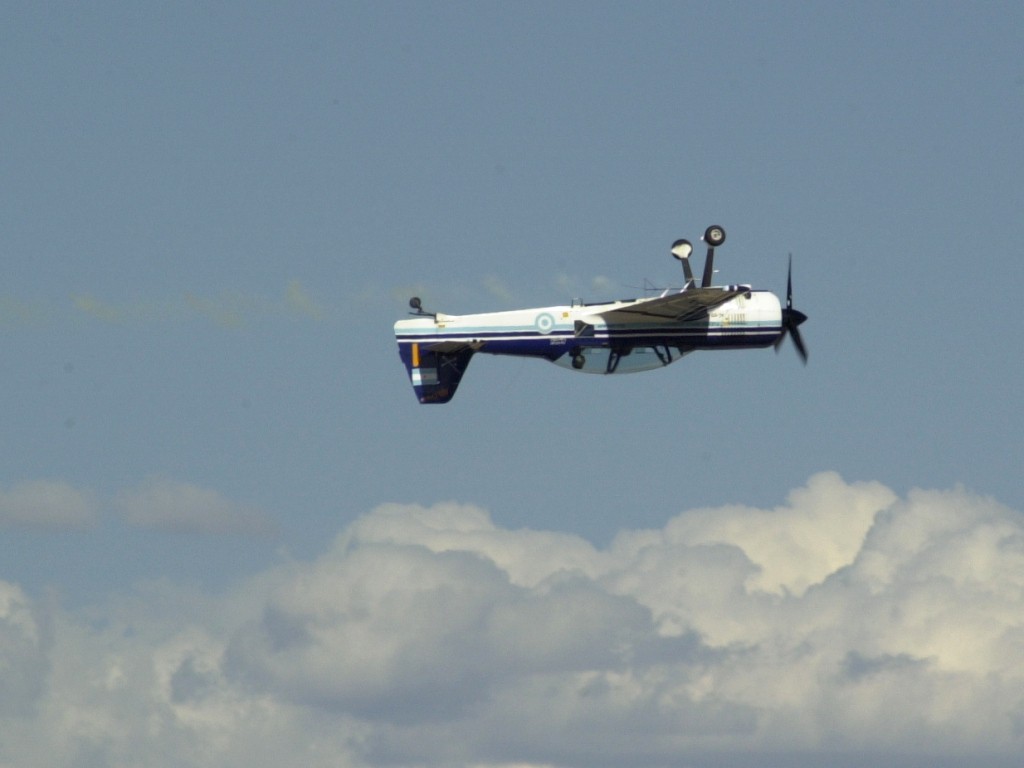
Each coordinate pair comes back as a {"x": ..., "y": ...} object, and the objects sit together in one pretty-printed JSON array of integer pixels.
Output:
[{"x": 553, "y": 344}]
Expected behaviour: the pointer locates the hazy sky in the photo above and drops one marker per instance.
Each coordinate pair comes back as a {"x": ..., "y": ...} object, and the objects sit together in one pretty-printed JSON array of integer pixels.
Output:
[{"x": 229, "y": 535}]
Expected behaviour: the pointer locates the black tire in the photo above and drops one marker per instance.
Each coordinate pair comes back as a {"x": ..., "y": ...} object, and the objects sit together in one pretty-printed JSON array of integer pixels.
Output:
[
  {"x": 714, "y": 235},
  {"x": 682, "y": 249}
]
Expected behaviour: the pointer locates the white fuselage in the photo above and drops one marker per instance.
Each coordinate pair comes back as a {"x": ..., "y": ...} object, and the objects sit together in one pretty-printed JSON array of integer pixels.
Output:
[{"x": 597, "y": 331}]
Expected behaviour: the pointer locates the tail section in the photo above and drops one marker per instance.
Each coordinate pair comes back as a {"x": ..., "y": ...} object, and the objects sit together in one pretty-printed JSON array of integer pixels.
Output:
[{"x": 435, "y": 370}]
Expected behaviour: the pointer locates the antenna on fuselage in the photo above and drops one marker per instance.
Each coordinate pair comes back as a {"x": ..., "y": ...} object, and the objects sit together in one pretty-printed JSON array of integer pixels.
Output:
[{"x": 417, "y": 305}]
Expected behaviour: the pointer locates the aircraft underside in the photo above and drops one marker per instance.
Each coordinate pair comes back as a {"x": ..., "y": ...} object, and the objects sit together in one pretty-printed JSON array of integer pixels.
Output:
[
  {"x": 437, "y": 364},
  {"x": 627, "y": 353}
]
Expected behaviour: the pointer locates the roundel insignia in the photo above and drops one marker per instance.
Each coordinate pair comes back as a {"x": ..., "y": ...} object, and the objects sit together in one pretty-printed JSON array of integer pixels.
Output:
[{"x": 544, "y": 322}]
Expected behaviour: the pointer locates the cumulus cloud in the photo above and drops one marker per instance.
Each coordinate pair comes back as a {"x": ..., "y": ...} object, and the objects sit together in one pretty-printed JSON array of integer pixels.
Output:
[
  {"x": 46, "y": 504},
  {"x": 846, "y": 626},
  {"x": 158, "y": 503},
  {"x": 24, "y": 645},
  {"x": 176, "y": 507}
]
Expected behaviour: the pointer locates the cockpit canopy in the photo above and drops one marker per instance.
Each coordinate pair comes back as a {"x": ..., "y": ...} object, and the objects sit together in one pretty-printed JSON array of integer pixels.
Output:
[{"x": 604, "y": 360}]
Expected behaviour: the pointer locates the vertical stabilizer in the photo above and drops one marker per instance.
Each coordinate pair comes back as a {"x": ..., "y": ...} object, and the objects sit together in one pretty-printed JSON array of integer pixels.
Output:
[{"x": 434, "y": 370}]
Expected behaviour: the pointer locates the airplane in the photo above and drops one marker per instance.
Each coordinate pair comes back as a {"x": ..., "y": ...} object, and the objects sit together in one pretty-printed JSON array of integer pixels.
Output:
[{"x": 623, "y": 336}]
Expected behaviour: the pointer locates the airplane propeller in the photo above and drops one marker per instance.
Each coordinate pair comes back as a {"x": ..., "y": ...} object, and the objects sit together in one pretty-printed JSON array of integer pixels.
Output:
[{"x": 792, "y": 319}]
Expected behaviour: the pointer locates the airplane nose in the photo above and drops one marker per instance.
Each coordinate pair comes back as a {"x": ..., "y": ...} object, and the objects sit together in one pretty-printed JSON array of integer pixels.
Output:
[{"x": 796, "y": 317}]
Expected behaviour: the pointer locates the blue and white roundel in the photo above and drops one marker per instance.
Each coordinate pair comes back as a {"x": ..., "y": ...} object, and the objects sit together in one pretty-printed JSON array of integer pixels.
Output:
[{"x": 544, "y": 322}]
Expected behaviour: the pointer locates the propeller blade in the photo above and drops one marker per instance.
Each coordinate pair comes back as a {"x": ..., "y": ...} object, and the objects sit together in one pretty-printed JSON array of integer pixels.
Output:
[
  {"x": 799, "y": 344},
  {"x": 782, "y": 338},
  {"x": 792, "y": 319}
]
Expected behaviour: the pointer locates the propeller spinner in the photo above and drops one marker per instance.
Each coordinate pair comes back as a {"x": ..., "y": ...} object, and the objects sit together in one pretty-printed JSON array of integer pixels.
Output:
[{"x": 792, "y": 319}]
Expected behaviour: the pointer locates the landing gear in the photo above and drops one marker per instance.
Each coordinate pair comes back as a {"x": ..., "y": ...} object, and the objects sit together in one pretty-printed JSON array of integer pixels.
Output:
[
  {"x": 714, "y": 235},
  {"x": 578, "y": 360}
]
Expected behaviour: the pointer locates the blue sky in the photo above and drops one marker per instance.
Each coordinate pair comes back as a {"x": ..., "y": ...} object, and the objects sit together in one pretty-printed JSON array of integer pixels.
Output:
[{"x": 211, "y": 217}]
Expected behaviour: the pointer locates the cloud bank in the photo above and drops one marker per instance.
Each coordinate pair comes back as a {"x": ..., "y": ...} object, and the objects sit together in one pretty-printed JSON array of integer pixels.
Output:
[
  {"x": 847, "y": 626},
  {"x": 158, "y": 504},
  {"x": 228, "y": 309},
  {"x": 175, "y": 507},
  {"x": 46, "y": 504}
]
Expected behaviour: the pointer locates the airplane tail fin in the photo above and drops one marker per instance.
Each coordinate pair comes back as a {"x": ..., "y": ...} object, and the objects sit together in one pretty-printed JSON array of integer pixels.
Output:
[{"x": 435, "y": 372}]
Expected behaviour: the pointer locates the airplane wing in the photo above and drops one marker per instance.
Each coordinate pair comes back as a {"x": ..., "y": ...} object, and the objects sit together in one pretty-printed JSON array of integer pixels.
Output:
[{"x": 688, "y": 305}]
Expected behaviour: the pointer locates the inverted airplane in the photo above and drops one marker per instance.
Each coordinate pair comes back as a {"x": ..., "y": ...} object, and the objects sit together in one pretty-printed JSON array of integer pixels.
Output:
[{"x": 624, "y": 336}]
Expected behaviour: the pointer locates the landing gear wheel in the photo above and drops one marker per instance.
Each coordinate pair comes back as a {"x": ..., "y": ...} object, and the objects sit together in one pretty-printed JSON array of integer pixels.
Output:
[
  {"x": 714, "y": 235},
  {"x": 578, "y": 361}
]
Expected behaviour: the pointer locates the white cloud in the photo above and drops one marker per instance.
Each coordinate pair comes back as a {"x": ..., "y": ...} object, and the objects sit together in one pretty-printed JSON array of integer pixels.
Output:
[
  {"x": 177, "y": 507},
  {"x": 228, "y": 309},
  {"x": 528, "y": 557},
  {"x": 24, "y": 643},
  {"x": 498, "y": 289},
  {"x": 847, "y": 626},
  {"x": 298, "y": 301},
  {"x": 46, "y": 504}
]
